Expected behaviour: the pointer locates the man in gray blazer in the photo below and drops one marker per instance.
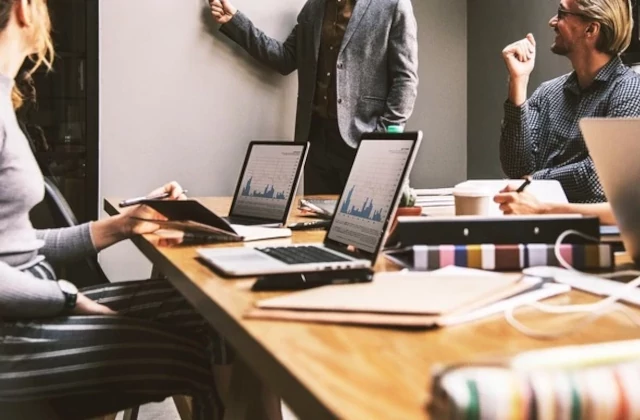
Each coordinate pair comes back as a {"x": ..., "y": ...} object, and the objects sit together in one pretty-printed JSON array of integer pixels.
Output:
[{"x": 357, "y": 63}]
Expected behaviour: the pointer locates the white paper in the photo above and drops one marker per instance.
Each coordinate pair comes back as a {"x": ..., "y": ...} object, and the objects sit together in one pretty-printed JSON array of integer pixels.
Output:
[
  {"x": 433, "y": 191},
  {"x": 547, "y": 191},
  {"x": 546, "y": 291}
]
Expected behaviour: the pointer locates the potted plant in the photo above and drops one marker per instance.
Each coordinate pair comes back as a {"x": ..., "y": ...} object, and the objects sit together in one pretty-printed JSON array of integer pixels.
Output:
[{"x": 407, "y": 205}]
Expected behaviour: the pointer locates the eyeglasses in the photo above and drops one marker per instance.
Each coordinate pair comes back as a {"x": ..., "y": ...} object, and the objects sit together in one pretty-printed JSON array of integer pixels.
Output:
[{"x": 563, "y": 13}]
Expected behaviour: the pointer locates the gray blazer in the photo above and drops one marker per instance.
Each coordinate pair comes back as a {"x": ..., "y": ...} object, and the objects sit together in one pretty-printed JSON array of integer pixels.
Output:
[{"x": 377, "y": 71}]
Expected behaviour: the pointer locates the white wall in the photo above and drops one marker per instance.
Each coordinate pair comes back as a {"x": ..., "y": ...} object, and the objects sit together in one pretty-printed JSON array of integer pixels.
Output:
[
  {"x": 179, "y": 101},
  {"x": 441, "y": 108}
]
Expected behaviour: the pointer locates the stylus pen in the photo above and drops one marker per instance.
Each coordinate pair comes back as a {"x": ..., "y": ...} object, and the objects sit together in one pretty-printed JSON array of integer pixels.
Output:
[
  {"x": 138, "y": 200},
  {"x": 316, "y": 224},
  {"x": 524, "y": 185},
  {"x": 312, "y": 206}
]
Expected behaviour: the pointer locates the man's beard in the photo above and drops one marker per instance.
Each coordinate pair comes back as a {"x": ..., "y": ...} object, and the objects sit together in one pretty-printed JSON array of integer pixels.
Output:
[{"x": 559, "y": 49}]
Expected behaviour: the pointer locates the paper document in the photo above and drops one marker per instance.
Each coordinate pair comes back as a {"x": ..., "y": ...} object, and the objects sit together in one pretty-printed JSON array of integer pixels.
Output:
[
  {"x": 548, "y": 191},
  {"x": 257, "y": 233},
  {"x": 545, "y": 292}
]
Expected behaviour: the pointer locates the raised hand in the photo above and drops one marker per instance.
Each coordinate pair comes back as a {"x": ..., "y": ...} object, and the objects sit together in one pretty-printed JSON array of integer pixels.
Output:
[
  {"x": 520, "y": 57},
  {"x": 222, "y": 11}
]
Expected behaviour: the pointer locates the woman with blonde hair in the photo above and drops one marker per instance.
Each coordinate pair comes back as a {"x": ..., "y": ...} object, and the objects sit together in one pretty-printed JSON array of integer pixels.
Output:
[{"x": 101, "y": 349}]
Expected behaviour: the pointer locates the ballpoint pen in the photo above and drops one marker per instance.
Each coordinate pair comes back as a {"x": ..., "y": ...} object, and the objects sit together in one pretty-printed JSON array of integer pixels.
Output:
[
  {"x": 137, "y": 200},
  {"x": 527, "y": 181}
]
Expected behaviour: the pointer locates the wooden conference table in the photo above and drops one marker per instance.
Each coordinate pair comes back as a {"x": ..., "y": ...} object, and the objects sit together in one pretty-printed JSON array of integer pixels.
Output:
[{"x": 333, "y": 371}]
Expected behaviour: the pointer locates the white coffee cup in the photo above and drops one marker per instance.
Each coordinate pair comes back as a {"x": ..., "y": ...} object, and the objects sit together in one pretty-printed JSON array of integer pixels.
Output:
[{"x": 472, "y": 200}]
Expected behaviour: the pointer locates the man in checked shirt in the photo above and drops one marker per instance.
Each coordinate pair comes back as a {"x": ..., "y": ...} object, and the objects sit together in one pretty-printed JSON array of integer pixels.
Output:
[{"x": 540, "y": 135}]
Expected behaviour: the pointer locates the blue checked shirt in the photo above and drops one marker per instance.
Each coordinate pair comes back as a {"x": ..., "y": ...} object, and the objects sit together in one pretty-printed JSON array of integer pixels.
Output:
[{"x": 542, "y": 138}]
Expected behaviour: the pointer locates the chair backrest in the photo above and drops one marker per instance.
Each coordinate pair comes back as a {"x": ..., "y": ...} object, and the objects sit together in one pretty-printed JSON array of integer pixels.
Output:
[
  {"x": 90, "y": 273},
  {"x": 63, "y": 216},
  {"x": 61, "y": 211}
]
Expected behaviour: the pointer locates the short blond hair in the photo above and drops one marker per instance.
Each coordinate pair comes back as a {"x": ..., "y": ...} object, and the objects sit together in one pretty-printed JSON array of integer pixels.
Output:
[{"x": 616, "y": 23}]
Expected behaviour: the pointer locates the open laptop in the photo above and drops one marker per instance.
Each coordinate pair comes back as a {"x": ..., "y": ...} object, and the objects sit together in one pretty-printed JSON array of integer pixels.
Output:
[
  {"x": 267, "y": 184},
  {"x": 614, "y": 146},
  {"x": 359, "y": 225}
]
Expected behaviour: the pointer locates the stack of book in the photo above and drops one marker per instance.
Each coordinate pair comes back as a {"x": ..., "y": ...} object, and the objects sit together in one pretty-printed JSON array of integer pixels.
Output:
[{"x": 434, "y": 197}]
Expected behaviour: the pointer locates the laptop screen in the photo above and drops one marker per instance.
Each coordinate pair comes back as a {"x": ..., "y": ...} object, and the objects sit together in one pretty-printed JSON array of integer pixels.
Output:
[
  {"x": 268, "y": 180},
  {"x": 371, "y": 192}
]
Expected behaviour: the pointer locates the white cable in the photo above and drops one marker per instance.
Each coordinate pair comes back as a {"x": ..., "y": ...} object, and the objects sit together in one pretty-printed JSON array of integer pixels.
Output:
[
  {"x": 561, "y": 238},
  {"x": 591, "y": 311},
  {"x": 565, "y": 264}
]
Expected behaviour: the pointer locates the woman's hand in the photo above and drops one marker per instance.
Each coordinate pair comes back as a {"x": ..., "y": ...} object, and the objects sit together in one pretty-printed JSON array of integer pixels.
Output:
[
  {"x": 132, "y": 223},
  {"x": 86, "y": 306},
  {"x": 106, "y": 232}
]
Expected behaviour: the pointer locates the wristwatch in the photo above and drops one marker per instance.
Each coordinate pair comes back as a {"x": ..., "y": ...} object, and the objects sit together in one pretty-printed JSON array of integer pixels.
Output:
[{"x": 70, "y": 292}]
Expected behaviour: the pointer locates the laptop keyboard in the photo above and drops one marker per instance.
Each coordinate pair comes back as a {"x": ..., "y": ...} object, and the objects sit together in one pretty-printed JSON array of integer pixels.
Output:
[{"x": 302, "y": 255}]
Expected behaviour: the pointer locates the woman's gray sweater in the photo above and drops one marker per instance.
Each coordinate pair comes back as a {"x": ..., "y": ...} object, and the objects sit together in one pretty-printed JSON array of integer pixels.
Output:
[{"x": 21, "y": 246}]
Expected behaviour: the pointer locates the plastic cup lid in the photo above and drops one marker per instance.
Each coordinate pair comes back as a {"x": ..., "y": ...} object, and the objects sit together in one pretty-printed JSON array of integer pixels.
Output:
[{"x": 472, "y": 191}]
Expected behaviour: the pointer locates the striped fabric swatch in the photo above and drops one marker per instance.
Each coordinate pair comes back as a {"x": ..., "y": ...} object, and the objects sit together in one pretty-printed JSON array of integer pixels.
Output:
[
  {"x": 504, "y": 257},
  {"x": 603, "y": 392}
]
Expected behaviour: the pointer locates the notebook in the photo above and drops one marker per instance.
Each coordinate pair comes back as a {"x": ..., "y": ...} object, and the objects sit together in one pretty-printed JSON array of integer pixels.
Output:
[
  {"x": 414, "y": 300},
  {"x": 359, "y": 226},
  {"x": 267, "y": 183},
  {"x": 192, "y": 216}
]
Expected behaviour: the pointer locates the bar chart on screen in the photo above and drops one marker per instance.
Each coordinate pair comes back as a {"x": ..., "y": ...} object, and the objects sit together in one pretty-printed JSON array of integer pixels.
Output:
[
  {"x": 267, "y": 181},
  {"x": 364, "y": 211},
  {"x": 370, "y": 191}
]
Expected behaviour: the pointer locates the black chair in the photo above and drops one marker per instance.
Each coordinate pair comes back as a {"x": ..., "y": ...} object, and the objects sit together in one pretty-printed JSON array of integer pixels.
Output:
[
  {"x": 55, "y": 212},
  {"x": 83, "y": 273}
]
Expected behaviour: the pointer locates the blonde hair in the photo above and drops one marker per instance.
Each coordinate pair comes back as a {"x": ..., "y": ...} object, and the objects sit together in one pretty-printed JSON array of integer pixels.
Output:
[
  {"x": 41, "y": 41},
  {"x": 616, "y": 23}
]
